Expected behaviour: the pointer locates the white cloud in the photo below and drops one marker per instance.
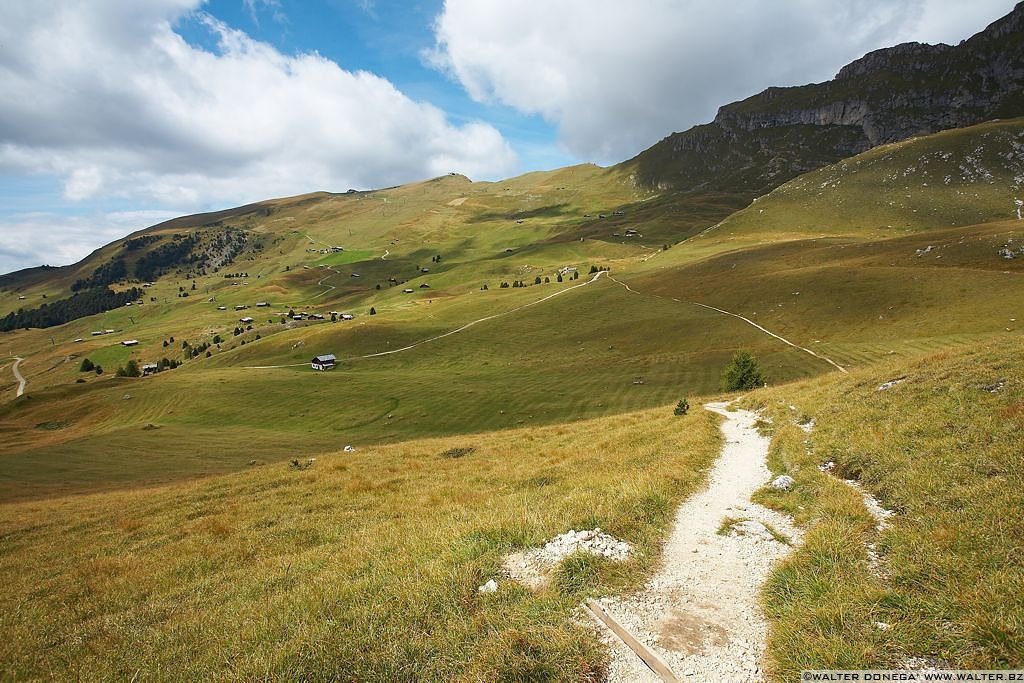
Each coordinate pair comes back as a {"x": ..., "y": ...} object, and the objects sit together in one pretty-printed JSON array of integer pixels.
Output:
[
  {"x": 30, "y": 238},
  {"x": 615, "y": 77},
  {"x": 108, "y": 97},
  {"x": 273, "y": 6}
]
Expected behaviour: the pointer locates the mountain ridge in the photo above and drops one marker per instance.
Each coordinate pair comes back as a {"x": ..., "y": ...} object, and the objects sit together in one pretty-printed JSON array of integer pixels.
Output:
[{"x": 885, "y": 96}]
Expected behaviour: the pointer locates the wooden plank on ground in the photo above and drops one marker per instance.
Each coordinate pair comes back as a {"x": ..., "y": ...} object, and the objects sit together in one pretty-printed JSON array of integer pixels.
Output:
[{"x": 649, "y": 656}]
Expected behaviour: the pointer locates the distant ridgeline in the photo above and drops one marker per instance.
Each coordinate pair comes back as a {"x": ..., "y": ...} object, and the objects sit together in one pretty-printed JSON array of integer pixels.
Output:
[
  {"x": 141, "y": 258},
  {"x": 886, "y": 96},
  {"x": 196, "y": 251},
  {"x": 85, "y": 303}
]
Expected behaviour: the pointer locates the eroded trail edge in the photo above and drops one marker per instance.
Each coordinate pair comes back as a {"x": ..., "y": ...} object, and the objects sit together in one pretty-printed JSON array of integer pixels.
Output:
[{"x": 701, "y": 611}]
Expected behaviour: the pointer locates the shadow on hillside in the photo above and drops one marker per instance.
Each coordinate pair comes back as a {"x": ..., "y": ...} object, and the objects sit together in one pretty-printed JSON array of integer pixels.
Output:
[
  {"x": 666, "y": 218},
  {"x": 551, "y": 211}
]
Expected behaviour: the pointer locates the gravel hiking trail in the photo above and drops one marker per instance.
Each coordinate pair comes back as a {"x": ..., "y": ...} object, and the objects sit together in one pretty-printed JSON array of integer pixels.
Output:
[{"x": 701, "y": 611}]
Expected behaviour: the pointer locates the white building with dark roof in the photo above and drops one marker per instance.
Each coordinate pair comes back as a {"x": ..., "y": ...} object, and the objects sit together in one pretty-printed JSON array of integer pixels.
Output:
[{"x": 324, "y": 362}]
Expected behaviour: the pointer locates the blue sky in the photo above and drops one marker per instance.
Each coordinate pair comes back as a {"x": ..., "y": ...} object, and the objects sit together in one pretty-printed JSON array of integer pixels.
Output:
[
  {"x": 120, "y": 113},
  {"x": 383, "y": 38}
]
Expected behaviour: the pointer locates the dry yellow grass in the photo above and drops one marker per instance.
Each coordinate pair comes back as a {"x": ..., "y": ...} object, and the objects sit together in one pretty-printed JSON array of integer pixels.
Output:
[{"x": 364, "y": 566}]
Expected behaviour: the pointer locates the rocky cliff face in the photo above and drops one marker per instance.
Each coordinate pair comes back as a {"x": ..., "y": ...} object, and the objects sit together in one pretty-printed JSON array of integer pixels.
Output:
[{"x": 885, "y": 96}]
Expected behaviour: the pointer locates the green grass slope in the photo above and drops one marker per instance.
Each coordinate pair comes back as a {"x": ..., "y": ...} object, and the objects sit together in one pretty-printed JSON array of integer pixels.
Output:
[
  {"x": 959, "y": 177},
  {"x": 839, "y": 283},
  {"x": 940, "y": 448},
  {"x": 575, "y": 356}
]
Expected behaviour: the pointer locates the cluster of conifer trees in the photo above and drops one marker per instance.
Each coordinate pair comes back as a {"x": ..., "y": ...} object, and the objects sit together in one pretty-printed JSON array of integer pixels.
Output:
[{"x": 89, "y": 302}]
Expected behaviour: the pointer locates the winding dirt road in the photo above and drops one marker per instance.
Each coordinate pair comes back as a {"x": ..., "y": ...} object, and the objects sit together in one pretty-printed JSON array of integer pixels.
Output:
[
  {"x": 18, "y": 376},
  {"x": 320, "y": 283}
]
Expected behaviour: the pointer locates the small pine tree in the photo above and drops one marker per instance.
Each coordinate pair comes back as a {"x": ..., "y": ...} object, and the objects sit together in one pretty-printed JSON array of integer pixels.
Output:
[
  {"x": 559, "y": 278},
  {"x": 217, "y": 339},
  {"x": 537, "y": 280},
  {"x": 131, "y": 369},
  {"x": 99, "y": 370},
  {"x": 593, "y": 269},
  {"x": 87, "y": 366},
  {"x": 373, "y": 311},
  {"x": 742, "y": 373},
  {"x": 682, "y": 407}
]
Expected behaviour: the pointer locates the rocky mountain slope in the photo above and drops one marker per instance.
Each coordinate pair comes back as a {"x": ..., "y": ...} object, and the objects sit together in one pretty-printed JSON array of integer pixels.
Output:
[{"x": 886, "y": 96}]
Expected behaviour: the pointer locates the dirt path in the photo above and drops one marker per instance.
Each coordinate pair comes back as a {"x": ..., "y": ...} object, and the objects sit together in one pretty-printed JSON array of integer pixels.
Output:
[
  {"x": 701, "y": 612},
  {"x": 831, "y": 362},
  {"x": 18, "y": 376},
  {"x": 478, "y": 321},
  {"x": 782, "y": 339},
  {"x": 320, "y": 283},
  {"x": 446, "y": 334}
]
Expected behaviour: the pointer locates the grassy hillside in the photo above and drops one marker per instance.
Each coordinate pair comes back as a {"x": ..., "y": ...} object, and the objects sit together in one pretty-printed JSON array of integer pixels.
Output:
[
  {"x": 851, "y": 289},
  {"x": 528, "y": 368},
  {"x": 941, "y": 448},
  {"x": 154, "y": 525},
  {"x": 364, "y": 566},
  {"x": 954, "y": 178},
  {"x": 874, "y": 256},
  {"x": 367, "y": 563}
]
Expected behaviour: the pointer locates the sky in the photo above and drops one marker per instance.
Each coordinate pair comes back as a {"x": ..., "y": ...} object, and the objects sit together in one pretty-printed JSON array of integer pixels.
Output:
[{"x": 117, "y": 114}]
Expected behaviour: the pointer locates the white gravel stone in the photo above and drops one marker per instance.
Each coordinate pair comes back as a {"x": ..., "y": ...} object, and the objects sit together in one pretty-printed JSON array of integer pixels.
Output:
[
  {"x": 704, "y": 617},
  {"x": 532, "y": 567}
]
